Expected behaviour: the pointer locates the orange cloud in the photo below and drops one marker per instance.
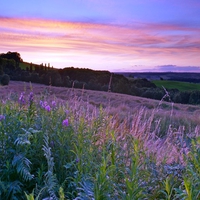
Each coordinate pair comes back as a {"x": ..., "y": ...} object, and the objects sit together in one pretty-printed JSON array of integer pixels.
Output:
[{"x": 59, "y": 42}]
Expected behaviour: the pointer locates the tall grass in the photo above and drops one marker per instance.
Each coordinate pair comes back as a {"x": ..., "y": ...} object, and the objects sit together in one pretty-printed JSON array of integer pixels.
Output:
[{"x": 71, "y": 150}]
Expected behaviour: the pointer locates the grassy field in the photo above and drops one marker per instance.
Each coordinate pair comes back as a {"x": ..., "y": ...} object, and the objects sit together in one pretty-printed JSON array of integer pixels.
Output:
[
  {"x": 182, "y": 86},
  {"x": 24, "y": 65},
  {"x": 61, "y": 143}
]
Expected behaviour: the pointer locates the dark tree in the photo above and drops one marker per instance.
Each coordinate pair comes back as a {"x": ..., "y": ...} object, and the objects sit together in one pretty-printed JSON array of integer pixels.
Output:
[
  {"x": 12, "y": 55},
  {"x": 42, "y": 67},
  {"x": 31, "y": 67},
  {"x": 1, "y": 70},
  {"x": 5, "y": 79},
  {"x": 1, "y": 66}
]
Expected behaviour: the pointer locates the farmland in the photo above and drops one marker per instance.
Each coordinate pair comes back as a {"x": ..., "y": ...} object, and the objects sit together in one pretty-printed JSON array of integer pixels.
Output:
[{"x": 181, "y": 86}]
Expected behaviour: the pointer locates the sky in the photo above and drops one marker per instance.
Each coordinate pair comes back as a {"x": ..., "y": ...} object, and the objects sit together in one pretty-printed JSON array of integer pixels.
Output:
[{"x": 113, "y": 35}]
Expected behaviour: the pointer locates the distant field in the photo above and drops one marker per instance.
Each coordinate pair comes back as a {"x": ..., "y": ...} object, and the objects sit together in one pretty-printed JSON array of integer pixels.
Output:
[
  {"x": 182, "y": 86},
  {"x": 24, "y": 65}
]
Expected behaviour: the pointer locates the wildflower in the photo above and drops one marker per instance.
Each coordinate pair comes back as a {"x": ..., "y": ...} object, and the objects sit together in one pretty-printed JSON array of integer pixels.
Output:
[
  {"x": 47, "y": 108},
  {"x": 30, "y": 99},
  {"x": 45, "y": 104},
  {"x": 2, "y": 117},
  {"x": 41, "y": 103},
  {"x": 53, "y": 103},
  {"x": 22, "y": 98},
  {"x": 65, "y": 122}
]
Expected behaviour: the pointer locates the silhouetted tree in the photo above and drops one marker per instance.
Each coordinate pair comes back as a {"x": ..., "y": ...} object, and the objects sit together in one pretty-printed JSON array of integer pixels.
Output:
[
  {"x": 5, "y": 79},
  {"x": 48, "y": 66},
  {"x": 42, "y": 67},
  {"x": 1, "y": 66},
  {"x": 31, "y": 67},
  {"x": 12, "y": 55}
]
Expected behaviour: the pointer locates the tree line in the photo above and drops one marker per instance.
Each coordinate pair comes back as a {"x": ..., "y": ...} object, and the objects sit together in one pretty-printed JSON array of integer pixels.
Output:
[{"x": 87, "y": 79}]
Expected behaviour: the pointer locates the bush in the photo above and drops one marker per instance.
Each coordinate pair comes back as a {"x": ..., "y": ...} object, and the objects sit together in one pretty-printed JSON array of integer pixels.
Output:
[{"x": 5, "y": 79}]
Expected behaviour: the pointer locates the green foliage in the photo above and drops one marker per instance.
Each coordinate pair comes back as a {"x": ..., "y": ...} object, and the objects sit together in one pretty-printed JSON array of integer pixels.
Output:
[
  {"x": 50, "y": 179},
  {"x": 169, "y": 186},
  {"x": 30, "y": 196},
  {"x": 22, "y": 165},
  {"x": 134, "y": 177},
  {"x": 95, "y": 155},
  {"x": 181, "y": 86}
]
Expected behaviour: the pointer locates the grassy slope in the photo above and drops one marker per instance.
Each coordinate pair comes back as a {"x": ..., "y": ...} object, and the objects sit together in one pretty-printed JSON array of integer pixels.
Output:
[
  {"x": 182, "y": 86},
  {"x": 125, "y": 103},
  {"x": 24, "y": 65},
  {"x": 120, "y": 162}
]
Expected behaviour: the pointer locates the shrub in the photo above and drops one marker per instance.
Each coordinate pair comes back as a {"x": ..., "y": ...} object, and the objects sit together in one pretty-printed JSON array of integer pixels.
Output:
[{"x": 5, "y": 79}]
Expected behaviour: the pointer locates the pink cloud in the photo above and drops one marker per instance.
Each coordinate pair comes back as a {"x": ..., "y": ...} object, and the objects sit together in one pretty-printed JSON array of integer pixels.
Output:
[{"x": 146, "y": 44}]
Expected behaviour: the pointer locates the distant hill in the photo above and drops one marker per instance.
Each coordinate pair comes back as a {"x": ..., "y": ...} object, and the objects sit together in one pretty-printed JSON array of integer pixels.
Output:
[
  {"x": 12, "y": 67},
  {"x": 176, "y": 76}
]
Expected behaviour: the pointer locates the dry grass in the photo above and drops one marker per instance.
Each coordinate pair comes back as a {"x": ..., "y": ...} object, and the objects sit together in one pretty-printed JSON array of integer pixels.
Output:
[
  {"x": 129, "y": 115},
  {"x": 116, "y": 102}
]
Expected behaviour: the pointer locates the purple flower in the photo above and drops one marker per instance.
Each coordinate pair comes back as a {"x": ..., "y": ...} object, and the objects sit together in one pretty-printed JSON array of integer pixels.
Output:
[
  {"x": 22, "y": 98},
  {"x": 47, "y": 108},
  {"x": 65, "y": 122},
  {"x": 30, "y": 99},
  {"x": 53, "y": 103},
  {"x": 41, "y": 103},
  {"x": 2, "y": 117},
  {"x": 45, "y": 105}
]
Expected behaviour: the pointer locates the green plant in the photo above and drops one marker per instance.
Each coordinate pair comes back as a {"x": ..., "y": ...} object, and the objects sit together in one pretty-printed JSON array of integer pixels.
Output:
[
  {"x": 133, "y": 175},
  {"x": 191, "y": 179},
  {"x": 50, "y": 179},
  {"x": 51, "y": 148},
  {"x": 169, "y": 188}
]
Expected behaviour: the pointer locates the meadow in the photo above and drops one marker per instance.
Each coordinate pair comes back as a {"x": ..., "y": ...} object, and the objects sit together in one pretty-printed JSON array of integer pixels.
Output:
[
  {"x": 66, "y": 143},
  {"x": 181, "y": 86},
  {"x": 24, "y": 65}
]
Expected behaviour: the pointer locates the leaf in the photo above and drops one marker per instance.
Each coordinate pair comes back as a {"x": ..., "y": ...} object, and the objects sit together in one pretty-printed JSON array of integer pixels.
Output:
[
  {"x": 29, "y": 196},
  {"x": 22, "y": 165}
]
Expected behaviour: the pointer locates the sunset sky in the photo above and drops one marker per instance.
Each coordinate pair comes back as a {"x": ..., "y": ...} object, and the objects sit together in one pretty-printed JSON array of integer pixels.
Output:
[{"x": 114, "y": 35}]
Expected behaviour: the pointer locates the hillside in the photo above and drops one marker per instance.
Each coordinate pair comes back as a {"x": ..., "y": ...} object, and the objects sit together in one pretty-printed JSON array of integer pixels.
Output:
[
  {"x": 176, "y": 76},
  {"x": 117, "y": 103},
  {"x": 181, "y": 86},
  {"x": 60, "y": 141},
  {"x": 13, "y": 68}
]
